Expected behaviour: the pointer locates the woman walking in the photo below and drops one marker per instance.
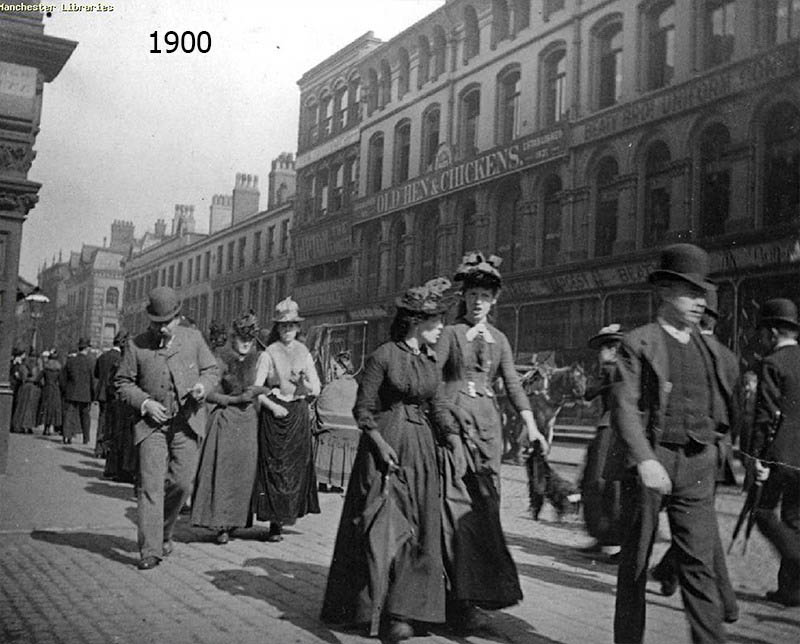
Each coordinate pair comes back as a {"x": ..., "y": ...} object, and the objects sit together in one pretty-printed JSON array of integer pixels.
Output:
[
  {"x": 50, "y": 405},
  {"x": 394, "y": 573},
  {"x": 286, "y": 485},
  {"x": 27, "y": 408},
  {"x": 227, "y": 470}
]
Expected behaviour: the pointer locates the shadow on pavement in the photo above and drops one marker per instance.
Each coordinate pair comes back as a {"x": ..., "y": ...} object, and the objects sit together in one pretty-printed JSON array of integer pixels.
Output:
[
  {"x": 501, "y": 627},
  {"x": 113, "y": 547},
  {"x": 283, "y": 586},
  {"x": 565, "y": 554},
  {"x": 778, "y": 619}
]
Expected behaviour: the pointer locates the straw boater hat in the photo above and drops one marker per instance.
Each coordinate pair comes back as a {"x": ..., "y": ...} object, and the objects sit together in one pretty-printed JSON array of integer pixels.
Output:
[
  {"x": 479, "y": 270},
  {"x": 287, "y": 311},
  {"x": 164, "y": 304},
  {"x": 778, "y": 312},
  {"x": 425, "y": 300},
  {"x": 606, "y": 335},
  {"x": 685, "y": 262}
]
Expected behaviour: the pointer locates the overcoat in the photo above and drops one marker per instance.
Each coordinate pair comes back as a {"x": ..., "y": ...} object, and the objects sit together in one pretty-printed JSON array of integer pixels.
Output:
[
  {"x": 79, "y": 378},
  {"x": 104, "y": 370}
]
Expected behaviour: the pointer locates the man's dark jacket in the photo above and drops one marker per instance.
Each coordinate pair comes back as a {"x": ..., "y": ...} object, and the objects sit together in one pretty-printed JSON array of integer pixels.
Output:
[
  {"x": 79, "y": 378},
  {"x": 104, "y": 370}
]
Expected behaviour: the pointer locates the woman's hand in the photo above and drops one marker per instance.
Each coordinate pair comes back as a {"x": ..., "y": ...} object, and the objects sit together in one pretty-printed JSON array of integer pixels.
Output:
[
  {"x": 279, "y": 411},
  {"x": 385, "y": 451}
]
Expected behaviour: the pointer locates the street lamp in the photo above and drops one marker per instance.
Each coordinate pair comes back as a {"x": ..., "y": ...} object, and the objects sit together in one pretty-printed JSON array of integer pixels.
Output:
[{"x": 36, "y": 303}]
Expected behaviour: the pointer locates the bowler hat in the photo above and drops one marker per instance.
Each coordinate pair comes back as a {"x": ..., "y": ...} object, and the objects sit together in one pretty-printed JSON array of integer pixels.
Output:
[
  {"x": 83, "y": 343},
  {"x": 778, "y": 312},
  {"x": 164, "y": 304},
  {"x": 287, "y": 310},
  {"x": 606, "y": 335},
  {"x": 685, "y": 262}
]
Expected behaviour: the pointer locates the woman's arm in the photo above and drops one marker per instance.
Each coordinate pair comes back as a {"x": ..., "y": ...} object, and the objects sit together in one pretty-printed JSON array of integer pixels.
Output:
[{"x": 312, "y": 378}]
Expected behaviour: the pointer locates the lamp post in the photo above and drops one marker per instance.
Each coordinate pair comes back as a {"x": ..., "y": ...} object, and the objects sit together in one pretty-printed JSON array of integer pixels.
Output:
[{"x": 36, "y": 303}]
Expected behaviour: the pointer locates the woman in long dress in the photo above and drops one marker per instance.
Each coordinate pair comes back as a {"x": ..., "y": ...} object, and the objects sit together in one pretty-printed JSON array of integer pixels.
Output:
[
  {"x": 50, "y": 412},
  {"x": 473, "y": 354},
  {"x": 26, "y": 411},
  {"x": 389, "y": 568},
  {"x": 286, "y": 484},
  {"x": 227, "y": 471}
]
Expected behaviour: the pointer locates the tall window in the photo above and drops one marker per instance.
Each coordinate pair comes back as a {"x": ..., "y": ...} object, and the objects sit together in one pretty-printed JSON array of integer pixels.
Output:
[
  {"x": 284, "y": 248},
  {"x": 256, "y": 247},
  {"x": 252, "y": 296},
  {"x": 189, "y": 270},
  {"x": 658, "y": 193},
  {"x": 372, "y": 257},
  {"x": 340, "y": 105},
  {"x": 781, "y": 165},
  {"x": 720, "y": 34},
  {"x": 402, "y": 150},
  {"x": 354, "y": 100},
  {"x": 607, "y": 207},
  {"x": 610, "y": 51},
  {"x": 242, "y": 246},
  {"x": 430, "y": 137},
  {"x": 472, "y": 35},
  {"x": 522, "y": 15},
  {"x": 323, "y": 183},
  {"x": 337, "y": 178},
  {"x": 397, "y": 249},
  {"x": 171, "y": 276},
  {"x": 404, "y": 71},
  {"x": 715, "y": 180},
  {"x": 375, "y": 163},
  {"x": 206, "y": 265},
  {"x": 311, "y": 117},
  {"x": 216, "y": 305},
  {"x": 781, "y": 20},
  {"x": 508, "y": 106},
  {"x": 202, "y": 311},
  {"x": 385, "y": 91},
  {"x": 506, "y": 226},
  {"x": 238, "y": 301},
  {"x": 551, "y": 6},
  {"x": 179, "y": 275},
  {"x": 423, "y": 60},
  {"x": 372, "y": 91},
  {"x": 470, "y": 115},
  {"x": 551, "y": 245},
  {"x": 500, "y": 21},
  {"x": 429, "y": 217},
  {"x": 660, "y": 45},
  {"x": 270, "y": 242},
  {"x": 555, "y": 85},
  {"x": 266, "y": 298},
  {"x": 325, "y": 115},
  {"x": 112, "y": 297},
  {"x": 439, "y": 51}
]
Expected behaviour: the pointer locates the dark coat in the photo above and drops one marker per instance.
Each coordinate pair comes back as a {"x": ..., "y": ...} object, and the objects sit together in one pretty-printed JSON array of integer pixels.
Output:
[
  {"x": 641, "y": 392},
  {"x": 779, "y": 389},
  {"x": 105, "y": 368},
  {"x": 78, "y": 378}
]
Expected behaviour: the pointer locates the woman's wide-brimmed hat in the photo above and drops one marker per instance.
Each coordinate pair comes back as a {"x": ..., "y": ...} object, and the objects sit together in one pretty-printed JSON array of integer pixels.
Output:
[
  {"x": 428, "y": 299},
  {"x": 246, "y": 326},
  {"x": 778, "y": 312},
  {"x": 606, "y": 335},
  {"x": 478, "y": 270},
  {"x": 685, "y": 262},
  {"x": 164, "y": 304},
  {"x": 287, "y": 311}
]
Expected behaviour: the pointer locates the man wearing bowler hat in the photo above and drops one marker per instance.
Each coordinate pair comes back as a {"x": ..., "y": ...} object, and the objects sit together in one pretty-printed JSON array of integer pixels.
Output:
[
  {"x": 670, "y": 404},
  {"x": 78, "y": 386},
  {"x": 165, "y": 375},
  {"x": 776, "y": 444}
]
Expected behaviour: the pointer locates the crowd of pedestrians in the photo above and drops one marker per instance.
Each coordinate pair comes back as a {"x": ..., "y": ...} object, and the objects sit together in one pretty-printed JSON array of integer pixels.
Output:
[{"x": 244, "y": 430}]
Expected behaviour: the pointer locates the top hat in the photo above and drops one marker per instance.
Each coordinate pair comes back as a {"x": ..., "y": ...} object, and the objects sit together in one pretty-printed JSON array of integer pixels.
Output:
[
  {"x": 685, "y": 262},
  {"x": 287, "y": 311},
  {"x": 477, "y": 270},
  {"x": 778, "y": 312},
  {"x": 606, "y": 335},
  {"x": 246, "y": 326},
  {"x": 83, "y": 343},
  {"x": 164, "y": 304},
  {"x": 427, "y": 299}
]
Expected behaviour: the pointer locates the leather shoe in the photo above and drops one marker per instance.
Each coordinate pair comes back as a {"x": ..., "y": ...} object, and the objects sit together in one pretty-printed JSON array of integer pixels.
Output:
[
  {"x": 148, "y": 563},
  {"x": 780, "y": 598},
  {"x": 167, "y": 548},
  {"x": 398, "y": 630},
  {"x": 731, "y": 617},
  {"x": 222, "y": 537}
]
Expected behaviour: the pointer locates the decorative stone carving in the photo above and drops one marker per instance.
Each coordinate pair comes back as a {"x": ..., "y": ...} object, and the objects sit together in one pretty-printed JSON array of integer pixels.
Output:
[
  {"x": 15, "y": 158},
  {"x": 19, "y": 202}
]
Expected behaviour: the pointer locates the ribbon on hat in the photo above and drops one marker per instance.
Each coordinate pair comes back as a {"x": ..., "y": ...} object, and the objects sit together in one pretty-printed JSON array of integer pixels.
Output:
[{"x": 476, "y": 262}]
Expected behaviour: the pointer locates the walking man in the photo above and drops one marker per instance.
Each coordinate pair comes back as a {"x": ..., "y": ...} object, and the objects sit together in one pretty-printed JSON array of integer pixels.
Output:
[
  {"x": 105, "y": 369},
  {"x": 165, "y": 375},
  {"x": 78, "y": 392},
  {"x": 776, "y": 443},
  {"x": 669, "y": 405}
]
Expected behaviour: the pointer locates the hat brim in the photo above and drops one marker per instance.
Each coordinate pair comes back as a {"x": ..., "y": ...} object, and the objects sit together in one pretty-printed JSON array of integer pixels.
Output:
[
  {"x": 600, "y": 339},
  {"x": 778, "y": 321},
  {"x": 663, "y": 275},
  {"x": 479, "y": 279},
  {"x": 296, "y": 318},
  {"x": 163, "y": 318}
]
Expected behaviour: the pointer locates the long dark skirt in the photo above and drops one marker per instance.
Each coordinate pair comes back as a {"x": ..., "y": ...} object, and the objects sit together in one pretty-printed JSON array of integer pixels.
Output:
[
  {"x": 27, "y": 408},
  {"x": 286, "y": 484},
  {"x": 227, "y": 469},
  {"x": 602, "y": 499},
  {"x": 50, "y": 412}
]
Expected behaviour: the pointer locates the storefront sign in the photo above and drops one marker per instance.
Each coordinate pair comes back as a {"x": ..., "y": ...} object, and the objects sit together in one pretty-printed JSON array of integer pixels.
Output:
[
  {"x": 523, "y": 153},
  {"x": 323, "y": 295},
  {"x": 322, "y": 243},
  {"x": 736, "y": 78},
  {"x": 737, "y": 258},
  {"x": 368, "y": 313}
]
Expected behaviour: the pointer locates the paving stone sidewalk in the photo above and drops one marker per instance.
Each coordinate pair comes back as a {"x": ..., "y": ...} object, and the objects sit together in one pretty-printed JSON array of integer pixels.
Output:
[{"x": 68, "y": 555}]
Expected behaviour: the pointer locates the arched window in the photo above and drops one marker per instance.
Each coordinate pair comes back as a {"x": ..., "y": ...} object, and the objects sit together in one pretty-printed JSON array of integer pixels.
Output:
[
  {"x": 385, "y": 90},
  {"x": 430, "y": 137},
  {"x": 423, "y": 60},
  {"x": 781, "y": 164},
  {"x": 439, "y": 51},
  {"x": 660, "y": 52},
  {"x": 402, "y": 150},
  {"x": 551, "y": 245},
  {"x": 522, "y": 15},
  {"x": 609, "y": 47},
  {"x": 658, "y": 193},
  {"x": 470, "y": 116},
  {"x": 112, "y": 296},
  {"x": 719, "y": 31},
  {"x": 325, "y": 115},
  {"x": 508, "y": 86},
  {"x": 506, "y": 224},
  {"x": 554, "y": 74},
  {"x": 403, "y": 72},
  {"x": 354, "y": 98},
  {"x": 341, "y": 103},
  {"x": 311, "y": 116},
  {"x": 373, "y": 90},
  {"x": 323, "y": 187},
  {"x": 429, "y": 219},
  {"x": 472, "y": 35},
  {"x": 375, "y": 164},
  {"x": 780, "y": 21},
  {"x": 500, "y": 21},
  {"x": 469, "y": 224},
  {"x": 607, "y": 207},
  {"x": 397, "y": 250},
  {"x": 715, "y": 180}
]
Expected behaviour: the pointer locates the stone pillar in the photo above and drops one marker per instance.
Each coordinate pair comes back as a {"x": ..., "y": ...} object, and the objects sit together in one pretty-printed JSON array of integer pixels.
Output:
[
  {"x": 484, "y": 230},
  {"x": 575, "y": 225},
  {"x": 627, "y": 227},
  {"x": 448, "y": 251},
  {"x": 739, "y": 214},
  {"x": 680, "y": 201},
  {"x": 359, "y": 280},
  {"x": 385, "y": 255},
  {"x": 411, "y": 273}
]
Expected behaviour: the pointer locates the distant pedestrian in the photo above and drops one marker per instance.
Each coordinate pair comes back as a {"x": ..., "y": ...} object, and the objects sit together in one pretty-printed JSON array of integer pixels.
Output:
[
  {"x": 227, "y": 471},
  {"x": 78, "y": 388},
  {"x": 105, "y": 368},
  {"x": 747, "y": 415},
  {"x": 286, "y": 483},
  {"x": 26, "y": 410},
  {"x": 164, "y": 376},
  {"x": 50, "y": 409}
]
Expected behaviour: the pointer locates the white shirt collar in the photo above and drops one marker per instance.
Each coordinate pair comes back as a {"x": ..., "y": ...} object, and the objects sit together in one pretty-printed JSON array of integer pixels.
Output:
[
  {"x": 786, "y": 342},
  {"x": 683, "y": 336}
]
